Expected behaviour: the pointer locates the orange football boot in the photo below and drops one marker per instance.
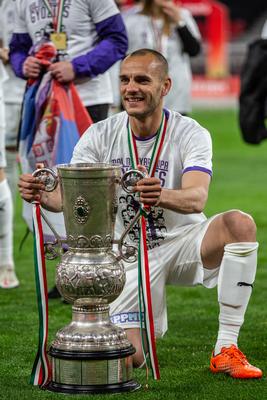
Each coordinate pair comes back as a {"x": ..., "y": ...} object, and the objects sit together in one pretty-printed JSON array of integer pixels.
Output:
[{"x": 233, "y": 362}]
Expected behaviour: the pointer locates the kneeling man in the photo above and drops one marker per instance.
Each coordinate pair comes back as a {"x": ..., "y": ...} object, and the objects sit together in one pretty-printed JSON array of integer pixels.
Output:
[{"x": 185, "y": 247}]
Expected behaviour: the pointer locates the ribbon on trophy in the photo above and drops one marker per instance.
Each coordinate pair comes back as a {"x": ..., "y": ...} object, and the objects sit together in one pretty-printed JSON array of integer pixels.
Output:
[
  {"x": 144, "y": 290},
  {"x": 41, "y": 371}
]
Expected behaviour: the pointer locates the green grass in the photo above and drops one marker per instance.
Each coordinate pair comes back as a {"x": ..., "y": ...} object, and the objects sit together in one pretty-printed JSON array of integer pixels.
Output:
[{"x": 240, "y": 181}]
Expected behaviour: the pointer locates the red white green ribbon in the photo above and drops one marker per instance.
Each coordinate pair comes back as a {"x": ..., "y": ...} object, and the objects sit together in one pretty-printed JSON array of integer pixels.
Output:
[
  {"x": 57, "y": 19},
  {"x": 41, "y": 371},
  {"x": 144, "y": 290}
]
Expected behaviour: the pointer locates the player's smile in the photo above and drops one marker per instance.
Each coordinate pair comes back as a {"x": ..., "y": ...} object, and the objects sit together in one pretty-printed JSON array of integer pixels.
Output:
[{"x": 134, "y": 100}]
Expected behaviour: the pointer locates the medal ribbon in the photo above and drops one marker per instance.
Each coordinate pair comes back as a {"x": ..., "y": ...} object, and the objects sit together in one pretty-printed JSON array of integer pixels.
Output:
[
  {"x": 41, "y": 371},
  {"x": 144, "y": 290},
  {"x": 57, "y": 19}
]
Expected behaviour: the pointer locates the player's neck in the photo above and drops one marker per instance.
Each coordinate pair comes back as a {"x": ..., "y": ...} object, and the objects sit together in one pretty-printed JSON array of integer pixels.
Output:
[{"x": 146, "y": 127}]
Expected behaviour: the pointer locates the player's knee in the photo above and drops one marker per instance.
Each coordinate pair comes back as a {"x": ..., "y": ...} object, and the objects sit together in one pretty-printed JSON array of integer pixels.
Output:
[{"x": 239, "y": 226}]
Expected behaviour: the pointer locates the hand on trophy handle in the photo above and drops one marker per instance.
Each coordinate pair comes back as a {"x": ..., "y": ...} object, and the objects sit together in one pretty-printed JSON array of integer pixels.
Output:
[
  {"x": 149, "y": 189},
  {"x": 32, "y": 188},
  {"x": 130, "y": 178},
  {"x": 49, "y": 179},
  {"x": 46, "y": 176}
]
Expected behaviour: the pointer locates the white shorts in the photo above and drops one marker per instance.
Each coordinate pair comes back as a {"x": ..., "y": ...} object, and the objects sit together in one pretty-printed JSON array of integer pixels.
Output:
[{"x": 177, "y": 262}]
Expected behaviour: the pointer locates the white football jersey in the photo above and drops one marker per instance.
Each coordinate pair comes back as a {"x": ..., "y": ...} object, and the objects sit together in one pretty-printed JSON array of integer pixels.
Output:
[{"x": 187, "y": 146}]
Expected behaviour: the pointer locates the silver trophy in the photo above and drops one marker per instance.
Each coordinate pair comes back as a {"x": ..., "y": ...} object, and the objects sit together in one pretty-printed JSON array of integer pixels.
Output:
[{"x": 91, "y": 354}]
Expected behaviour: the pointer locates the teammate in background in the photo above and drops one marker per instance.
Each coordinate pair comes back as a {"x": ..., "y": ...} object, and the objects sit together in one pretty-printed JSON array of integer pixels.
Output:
[
  {"x": 8, "y": 278},
  {"x": 91, "y": 37},
  {"x": 186, "y": 248}
]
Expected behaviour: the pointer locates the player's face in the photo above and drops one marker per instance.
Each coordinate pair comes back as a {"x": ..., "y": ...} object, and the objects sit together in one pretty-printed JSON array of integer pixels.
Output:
[{"x": 142, "y": 86}]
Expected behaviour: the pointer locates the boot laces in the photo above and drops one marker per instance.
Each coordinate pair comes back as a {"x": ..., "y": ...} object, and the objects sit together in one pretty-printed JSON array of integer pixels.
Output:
[{"x": 234, "y": 353}]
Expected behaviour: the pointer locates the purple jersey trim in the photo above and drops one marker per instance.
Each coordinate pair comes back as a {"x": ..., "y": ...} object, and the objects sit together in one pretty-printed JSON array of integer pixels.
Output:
[
  {"x": 112, "y": 46},
  {"x": 143, "y": 139},
  {"x": 19, "y": 47},
  {"x": 196, "y": 168}
]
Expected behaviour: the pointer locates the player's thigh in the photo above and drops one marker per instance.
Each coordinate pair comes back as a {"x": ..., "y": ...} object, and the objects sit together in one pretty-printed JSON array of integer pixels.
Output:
[{"x": 186, "y": 268}]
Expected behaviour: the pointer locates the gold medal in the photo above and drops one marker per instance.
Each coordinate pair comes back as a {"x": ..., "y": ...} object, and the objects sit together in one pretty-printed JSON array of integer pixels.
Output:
[{"x": 59, "y": 39}]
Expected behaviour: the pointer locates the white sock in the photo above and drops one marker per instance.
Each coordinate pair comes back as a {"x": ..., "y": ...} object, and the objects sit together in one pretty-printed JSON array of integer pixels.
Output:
[
  {"x": 236, "y": 278},
  {"x": 6, "y": 221}
]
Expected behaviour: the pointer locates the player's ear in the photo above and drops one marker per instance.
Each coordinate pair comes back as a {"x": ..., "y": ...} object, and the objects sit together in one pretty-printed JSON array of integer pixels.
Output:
[{"x": 166, "y": 86}]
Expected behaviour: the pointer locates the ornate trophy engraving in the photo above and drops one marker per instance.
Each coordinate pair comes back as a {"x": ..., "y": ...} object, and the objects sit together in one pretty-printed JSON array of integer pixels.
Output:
[{"x": 91, "y": 354}]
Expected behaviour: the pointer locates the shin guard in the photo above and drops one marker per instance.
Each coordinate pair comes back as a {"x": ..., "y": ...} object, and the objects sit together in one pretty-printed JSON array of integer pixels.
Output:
[{"x": 237, "y": 273}]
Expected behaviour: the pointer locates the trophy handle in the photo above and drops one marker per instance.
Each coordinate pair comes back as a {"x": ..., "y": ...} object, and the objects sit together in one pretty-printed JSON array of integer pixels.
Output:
[
  {"x": 49, "y": 178},
  {"x": 130, "y": 179},
  {"x": 128, "y": 182},
  {"x": 130, "y": 255}
]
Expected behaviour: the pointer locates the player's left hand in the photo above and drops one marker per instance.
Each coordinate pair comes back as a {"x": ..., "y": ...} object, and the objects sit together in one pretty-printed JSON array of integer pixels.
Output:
[
  {"x": 62, "y": 71},
  {"x": 149, "y": 189}
]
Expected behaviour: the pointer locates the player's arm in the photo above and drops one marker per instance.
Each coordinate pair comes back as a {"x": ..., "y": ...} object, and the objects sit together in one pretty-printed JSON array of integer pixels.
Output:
[
  {"x": 31, "y": 189},
  {"x": 18, "y": 52},
  {"x": 111, "y": 47},
  {"x": 192, "y": 196}
]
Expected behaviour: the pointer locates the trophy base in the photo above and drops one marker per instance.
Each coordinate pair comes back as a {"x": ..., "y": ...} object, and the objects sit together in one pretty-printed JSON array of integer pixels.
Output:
[
  {"x": 92, "y": 372},
  {"x": 129, "y": 386}
]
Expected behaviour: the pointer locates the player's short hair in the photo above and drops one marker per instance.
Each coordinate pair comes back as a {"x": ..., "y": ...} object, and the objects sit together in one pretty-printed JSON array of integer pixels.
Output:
[{"x": 157, "y": 55}]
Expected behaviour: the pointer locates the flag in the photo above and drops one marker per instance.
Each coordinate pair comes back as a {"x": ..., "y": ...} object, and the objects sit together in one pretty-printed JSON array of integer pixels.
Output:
[{"x": 53, "y": 119}]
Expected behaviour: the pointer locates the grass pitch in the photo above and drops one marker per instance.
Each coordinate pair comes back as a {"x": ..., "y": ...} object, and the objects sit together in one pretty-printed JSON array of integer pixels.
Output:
[{"x": 240, "y": 176}]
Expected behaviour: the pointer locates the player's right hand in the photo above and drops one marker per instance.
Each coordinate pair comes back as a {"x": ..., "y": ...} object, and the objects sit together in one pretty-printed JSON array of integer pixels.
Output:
[
  {"x": 32, "y": 67},
  {"x": 30, "y": 188}
]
